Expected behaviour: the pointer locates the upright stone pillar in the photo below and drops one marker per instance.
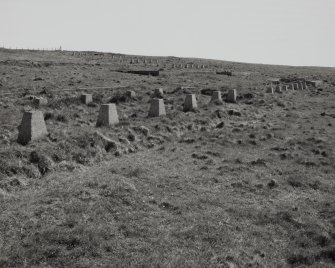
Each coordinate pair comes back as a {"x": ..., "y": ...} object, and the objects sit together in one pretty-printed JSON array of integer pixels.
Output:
[
  {"x": 107, "y": 115},
  {"x": 278, "y": 89},
  {"x": 216, "y": 96},
  {"x": 270, "y": 90},
  {"x": 157, "y": 108},
  {"x": 32, "y": 127},
  {"x": 190, "y": 103},
  {"x": 158, "y": 93},
  {"x": 131, "y": 94},
  {"x": 86, "y": 98},
  {"x": 231, "y": 97},
  {"x": 295, "y": 86}
]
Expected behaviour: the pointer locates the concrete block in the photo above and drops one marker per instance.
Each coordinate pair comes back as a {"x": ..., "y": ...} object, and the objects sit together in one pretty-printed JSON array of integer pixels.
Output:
[
  {"x": 190, "y": 103},
  {"x": 157, "y": 108},
  {"x": 216, "y": 96},
  {"x": 231, "y": 97},
  {"x": 131, "y": 94},
  {"x": 86, "y": 98},
  {"x": 270, "y": 90},
  {"x": 32, "y": 127},
  {"x": 278, "y": 89},
  {"x": 39, "y": 101},
  {"x": 315, "y": 83},
  {"x": 158, "y": 93},
  {"x": 107, "y": 115},
  {"x": 284, "y": 87},
  {"x": 295, "y": 86}
]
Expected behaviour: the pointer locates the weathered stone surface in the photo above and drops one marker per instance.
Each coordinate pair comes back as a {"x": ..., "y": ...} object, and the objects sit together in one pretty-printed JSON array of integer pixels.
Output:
[
  {"x": 295, "y": 86},
  {"x": 216, "y": 96},
  {"x": 131, "y": 94},
  {"x": 39, "y": 101},
  {"x": 158, "y": 93},
  {"x": 231, "y": 97},
  {"x": 86, "y": 98},
  {"x": 157, "y": 108},
  {"x": 278, "y": 89},
  {"x": 190, "y": 103},
  {"x": 270, "y": 89},
  {"x": 284, "y": 87},
  {"x": 315, "y": 83},
  {"x": 107, "y": 115},
  {"x": 32, "y": 127}
]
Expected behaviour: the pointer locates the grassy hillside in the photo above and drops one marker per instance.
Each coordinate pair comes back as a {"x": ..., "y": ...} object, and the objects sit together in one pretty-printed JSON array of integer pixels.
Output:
[{"x": 249, "y": 184}]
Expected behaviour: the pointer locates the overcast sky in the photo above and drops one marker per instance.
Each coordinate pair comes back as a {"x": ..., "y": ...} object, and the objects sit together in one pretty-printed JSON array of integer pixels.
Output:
[{"x": 290, "y": 32}]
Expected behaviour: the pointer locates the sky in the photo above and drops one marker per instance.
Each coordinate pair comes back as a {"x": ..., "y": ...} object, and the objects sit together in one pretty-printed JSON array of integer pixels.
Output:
[{"x": 284, "y": 32}]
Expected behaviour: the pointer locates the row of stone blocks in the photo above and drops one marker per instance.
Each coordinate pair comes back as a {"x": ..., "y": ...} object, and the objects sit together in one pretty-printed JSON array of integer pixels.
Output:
[
  {"x": 190, "y": 66},
  {"x": 33, "y": 126},
  {"x": 281, "y": 88},
  {"x": 157, "y": 107}
]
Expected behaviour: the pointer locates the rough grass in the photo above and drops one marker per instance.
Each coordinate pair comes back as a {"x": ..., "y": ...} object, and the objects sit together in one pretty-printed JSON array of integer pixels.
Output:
[
  {"x": 158, "y": 215},
  {"x": 243, "y": 185}
]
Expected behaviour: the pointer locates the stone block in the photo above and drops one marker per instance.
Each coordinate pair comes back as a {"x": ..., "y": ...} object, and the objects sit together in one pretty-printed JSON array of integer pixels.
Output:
[
  {"x": 86, "y": 98},
  {"x": 216, "y": 96},
  {"x": 107, "y": 115},
  {"x": 157, "y": 108},
  {"x": 232, "y": 95},
  {"x": 190, "y": 103},
  {"x": 32, "y": 127}
]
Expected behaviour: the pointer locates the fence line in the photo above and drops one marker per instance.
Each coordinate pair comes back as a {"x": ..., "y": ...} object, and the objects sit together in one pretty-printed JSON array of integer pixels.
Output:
[{"x": 33, "y": 49}]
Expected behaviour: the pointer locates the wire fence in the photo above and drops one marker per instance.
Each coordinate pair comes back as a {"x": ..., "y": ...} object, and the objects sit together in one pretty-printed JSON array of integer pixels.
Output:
[{"x": 32, "y": 49}]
